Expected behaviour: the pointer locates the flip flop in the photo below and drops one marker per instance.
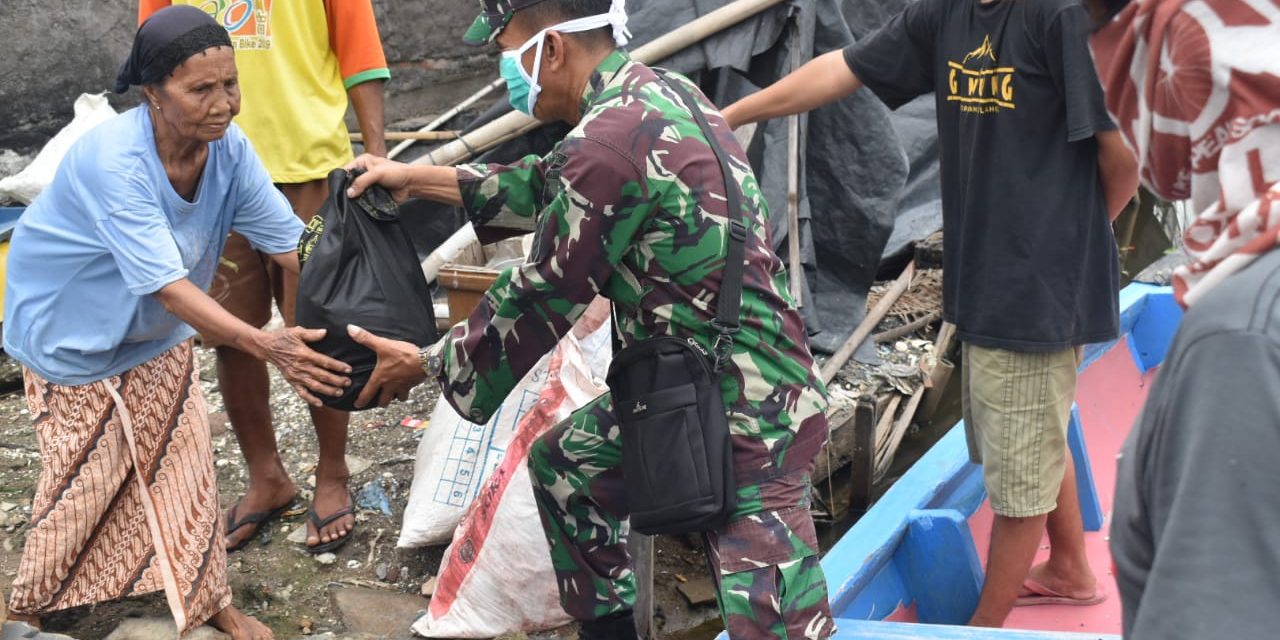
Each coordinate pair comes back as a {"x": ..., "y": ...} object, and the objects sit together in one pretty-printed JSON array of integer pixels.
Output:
[
  {"x": 258, "y": 518},
  {"x": 321, "y": 523},
  {"x": 1038, "y": 594}
]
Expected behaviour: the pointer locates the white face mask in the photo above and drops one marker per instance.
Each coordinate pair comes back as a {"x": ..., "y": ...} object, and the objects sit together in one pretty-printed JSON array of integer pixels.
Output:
[{"x": 616, "y": 17}]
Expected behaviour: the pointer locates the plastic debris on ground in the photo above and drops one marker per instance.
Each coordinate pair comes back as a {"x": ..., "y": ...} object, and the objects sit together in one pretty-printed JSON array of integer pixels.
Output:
[
  {"x": 417, "y": 424},
  {"x": 372, "y": 497}
]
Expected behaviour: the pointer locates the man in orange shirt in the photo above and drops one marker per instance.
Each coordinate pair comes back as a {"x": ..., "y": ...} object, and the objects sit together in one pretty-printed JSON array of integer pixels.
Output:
[{"x": 299, "y": 63}]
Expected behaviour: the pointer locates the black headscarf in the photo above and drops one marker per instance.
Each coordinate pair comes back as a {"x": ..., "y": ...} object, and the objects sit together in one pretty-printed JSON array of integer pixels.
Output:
[{"x": 166, "y": 40}]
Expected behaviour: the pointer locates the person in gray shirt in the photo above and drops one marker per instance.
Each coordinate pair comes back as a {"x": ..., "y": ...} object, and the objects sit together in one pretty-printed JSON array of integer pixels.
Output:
[{"x": 1195, "y": 533}]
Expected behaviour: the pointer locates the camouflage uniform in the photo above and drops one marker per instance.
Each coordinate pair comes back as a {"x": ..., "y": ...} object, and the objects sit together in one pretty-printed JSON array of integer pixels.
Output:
[{"x": 631, "y": 205}]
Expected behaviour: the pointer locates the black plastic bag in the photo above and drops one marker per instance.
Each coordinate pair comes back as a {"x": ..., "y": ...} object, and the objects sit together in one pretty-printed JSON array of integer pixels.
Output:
[{"x": 359, "y": 267}]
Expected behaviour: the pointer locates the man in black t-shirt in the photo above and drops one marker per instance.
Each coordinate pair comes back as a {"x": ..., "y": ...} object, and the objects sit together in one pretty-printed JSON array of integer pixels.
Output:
[{"x": 1032, "y": 173}]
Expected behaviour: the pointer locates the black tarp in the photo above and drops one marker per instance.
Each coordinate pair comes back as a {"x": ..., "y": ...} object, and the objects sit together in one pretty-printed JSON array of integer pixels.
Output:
[{"x": 862, "y": 167}]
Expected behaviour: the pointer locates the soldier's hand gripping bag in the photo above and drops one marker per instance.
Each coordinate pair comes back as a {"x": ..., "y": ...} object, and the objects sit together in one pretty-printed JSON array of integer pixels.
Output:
[
  {"x": 676, "y": 452},
  {"x": 359, "y": 267}
]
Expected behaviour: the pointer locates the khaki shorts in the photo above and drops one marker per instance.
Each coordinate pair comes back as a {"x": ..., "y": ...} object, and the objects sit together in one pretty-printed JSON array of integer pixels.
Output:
[
  {"x": 247, "y": 280},
  {"x": 1016, "y": 409}
]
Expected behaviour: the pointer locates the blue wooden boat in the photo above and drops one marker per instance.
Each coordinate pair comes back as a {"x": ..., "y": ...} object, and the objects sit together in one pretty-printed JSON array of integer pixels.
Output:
[{"x": 911, "y": 567}]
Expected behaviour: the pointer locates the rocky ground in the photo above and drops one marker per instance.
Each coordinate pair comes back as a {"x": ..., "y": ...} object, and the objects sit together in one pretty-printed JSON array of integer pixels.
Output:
[{"x": 369, "y": 589}]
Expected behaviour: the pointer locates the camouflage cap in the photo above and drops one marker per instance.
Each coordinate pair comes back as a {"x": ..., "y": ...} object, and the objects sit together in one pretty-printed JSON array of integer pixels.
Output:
[{"x": 493, "y": 18}]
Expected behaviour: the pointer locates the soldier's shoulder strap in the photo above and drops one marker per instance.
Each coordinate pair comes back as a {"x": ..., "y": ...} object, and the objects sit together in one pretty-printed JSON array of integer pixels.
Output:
[{"x": 729, "y": 304}]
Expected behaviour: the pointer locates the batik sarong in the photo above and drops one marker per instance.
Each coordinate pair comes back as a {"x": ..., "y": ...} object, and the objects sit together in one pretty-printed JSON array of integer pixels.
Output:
[{"x": 127, "y": 500}]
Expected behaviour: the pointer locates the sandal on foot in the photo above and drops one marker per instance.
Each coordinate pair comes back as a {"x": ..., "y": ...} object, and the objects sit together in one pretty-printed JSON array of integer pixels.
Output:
[
  {"x": 320, "y": 523},
  {"x": 258, "y": 518},
  {"x": 1035, "y": 593}
]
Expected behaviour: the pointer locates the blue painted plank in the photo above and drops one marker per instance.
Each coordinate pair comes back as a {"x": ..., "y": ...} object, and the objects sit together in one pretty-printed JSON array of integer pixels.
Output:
[
  {"x": 1133, "y": 305},
  {"x": 884, "y": 592},
  {"x": 858, "y": 557},
  {"x": 1153, "y": 331},
  {"x": 847, "y": 629},
  {"x": 939, "y": 563},
  {"x": 1090, "y": 504}
]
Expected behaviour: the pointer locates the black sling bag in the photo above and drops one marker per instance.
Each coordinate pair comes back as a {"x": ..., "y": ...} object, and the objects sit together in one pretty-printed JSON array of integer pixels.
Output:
[{"x": 677, "y": 457}]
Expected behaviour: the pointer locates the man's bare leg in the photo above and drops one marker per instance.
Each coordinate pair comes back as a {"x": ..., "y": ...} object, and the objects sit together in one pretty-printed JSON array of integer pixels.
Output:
[
  {"x": 332, "y": 493},
  {"x": 1014, "y": 542},
  {"x": 246, "y": 392},
  {"x": 1067, "y": 571},
  {"x": 239, "y": 626}
]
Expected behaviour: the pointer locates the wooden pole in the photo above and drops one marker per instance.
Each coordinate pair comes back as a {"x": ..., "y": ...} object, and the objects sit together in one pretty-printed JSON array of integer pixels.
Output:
[
  {"x": 898, "y": 332},
  {"x": 793, "y": 188},
  {"x": 448, "y": 115},
  {"x": 832, "y": 366},
  {"x": 640, "y": 547},
  {"x": 515, "y": 124},
  {"x": 411, "y": 135}
]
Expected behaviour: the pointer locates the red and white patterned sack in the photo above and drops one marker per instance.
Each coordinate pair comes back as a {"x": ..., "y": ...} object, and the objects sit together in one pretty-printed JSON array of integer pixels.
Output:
[
  {"x": 1194, "y": 86},
  {"x": 497, "y": 576}
]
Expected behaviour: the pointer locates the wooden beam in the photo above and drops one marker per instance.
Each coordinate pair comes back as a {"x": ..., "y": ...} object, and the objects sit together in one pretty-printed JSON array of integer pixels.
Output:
[
  {"x": 898, "y": 332},
  {"x": 884, "y": 456},
  {"x": 862, "y": 465},
  {"x": 446, "y": 116},
  {"x": 832, "y": 366}
]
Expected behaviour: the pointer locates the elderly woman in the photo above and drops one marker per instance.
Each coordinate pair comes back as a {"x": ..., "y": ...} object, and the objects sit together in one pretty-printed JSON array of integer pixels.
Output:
[{"x": 107, "y": 280}]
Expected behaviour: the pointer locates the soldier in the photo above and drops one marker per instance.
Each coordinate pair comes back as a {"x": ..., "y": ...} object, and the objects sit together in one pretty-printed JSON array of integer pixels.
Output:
[{"x": 629, "y": 205}]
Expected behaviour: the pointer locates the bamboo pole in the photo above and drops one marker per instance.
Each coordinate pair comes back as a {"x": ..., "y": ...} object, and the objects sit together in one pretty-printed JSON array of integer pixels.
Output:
[
  {"x": 515, "y": 124},
  {"x": 884, "y": 457},
  {"x": 886, "y": 419},
  {"x": 744, "y": 133},
  {"x": 448, "y": 115},
  {"x": 793, "y": 187},
  {"x": 873, "y": 318},
  {"x": 411, "y": 136}
]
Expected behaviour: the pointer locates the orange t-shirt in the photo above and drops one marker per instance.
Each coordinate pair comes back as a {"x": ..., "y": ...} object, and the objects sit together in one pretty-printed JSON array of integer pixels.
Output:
[{"x": 296, "y": 61}]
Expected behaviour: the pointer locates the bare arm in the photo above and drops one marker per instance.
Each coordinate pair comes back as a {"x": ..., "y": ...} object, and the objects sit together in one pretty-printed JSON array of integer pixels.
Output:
[
  {"x": 287, "y": 261},
  {"x": 366, "y": 99},
  {"x": 406, "y": 180},
  {"x": 306, "y": 370},
  {"x": 1118, "y": 171},
  {"x": 822, "y": 80}
]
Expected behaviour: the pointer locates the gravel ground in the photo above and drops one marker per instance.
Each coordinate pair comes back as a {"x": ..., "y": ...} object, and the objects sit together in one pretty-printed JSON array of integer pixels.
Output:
[{"x": 275, "y": 579}]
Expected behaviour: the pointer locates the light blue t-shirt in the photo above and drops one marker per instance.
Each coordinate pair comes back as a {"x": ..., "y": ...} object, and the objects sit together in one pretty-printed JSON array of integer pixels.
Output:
[{"x": 110, "y": 231}]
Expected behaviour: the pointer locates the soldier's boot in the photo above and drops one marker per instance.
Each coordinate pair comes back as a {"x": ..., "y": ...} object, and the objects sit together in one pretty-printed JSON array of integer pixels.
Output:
[{"x": 618, "y": 626}]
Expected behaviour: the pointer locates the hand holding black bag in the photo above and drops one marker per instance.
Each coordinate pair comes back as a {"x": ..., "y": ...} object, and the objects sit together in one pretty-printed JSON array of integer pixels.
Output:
[
  {"x": 677, "y": 455},
  {"x": 359, "y": 267}
]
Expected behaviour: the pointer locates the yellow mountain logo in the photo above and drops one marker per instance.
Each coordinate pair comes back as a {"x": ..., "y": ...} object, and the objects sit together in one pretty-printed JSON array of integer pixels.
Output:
[
  {"x": 984, "y": 50},
  {"x": 978, "y": 83}
]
